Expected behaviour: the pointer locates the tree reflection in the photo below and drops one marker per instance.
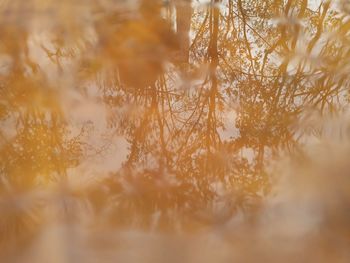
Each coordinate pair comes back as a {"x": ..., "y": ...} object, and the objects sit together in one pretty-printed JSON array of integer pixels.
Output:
[{"x": 171, "y": 77}]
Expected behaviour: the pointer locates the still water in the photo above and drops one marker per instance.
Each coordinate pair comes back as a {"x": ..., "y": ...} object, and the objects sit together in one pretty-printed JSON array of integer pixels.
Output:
[{"x": 174, "y": 131}]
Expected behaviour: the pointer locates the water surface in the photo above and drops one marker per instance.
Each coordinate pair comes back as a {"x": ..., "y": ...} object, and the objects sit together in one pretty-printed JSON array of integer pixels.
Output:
[{"x": 164, "y": 119}]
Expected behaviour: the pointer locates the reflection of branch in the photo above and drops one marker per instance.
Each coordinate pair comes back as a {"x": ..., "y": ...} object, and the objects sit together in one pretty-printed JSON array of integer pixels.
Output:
[
  {"x": 251, "y": 28},
  {"x": 245, "y": 36},
  {"x": 200, "y": 31},
  {"x": 242, "y": 72},
  {"x": 53, "y": 56},
  {"x": 319, "y": 27}
]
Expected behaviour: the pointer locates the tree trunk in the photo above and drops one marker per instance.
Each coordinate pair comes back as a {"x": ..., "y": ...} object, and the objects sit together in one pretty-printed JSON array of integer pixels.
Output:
[{"x": 183, "y": 25}]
